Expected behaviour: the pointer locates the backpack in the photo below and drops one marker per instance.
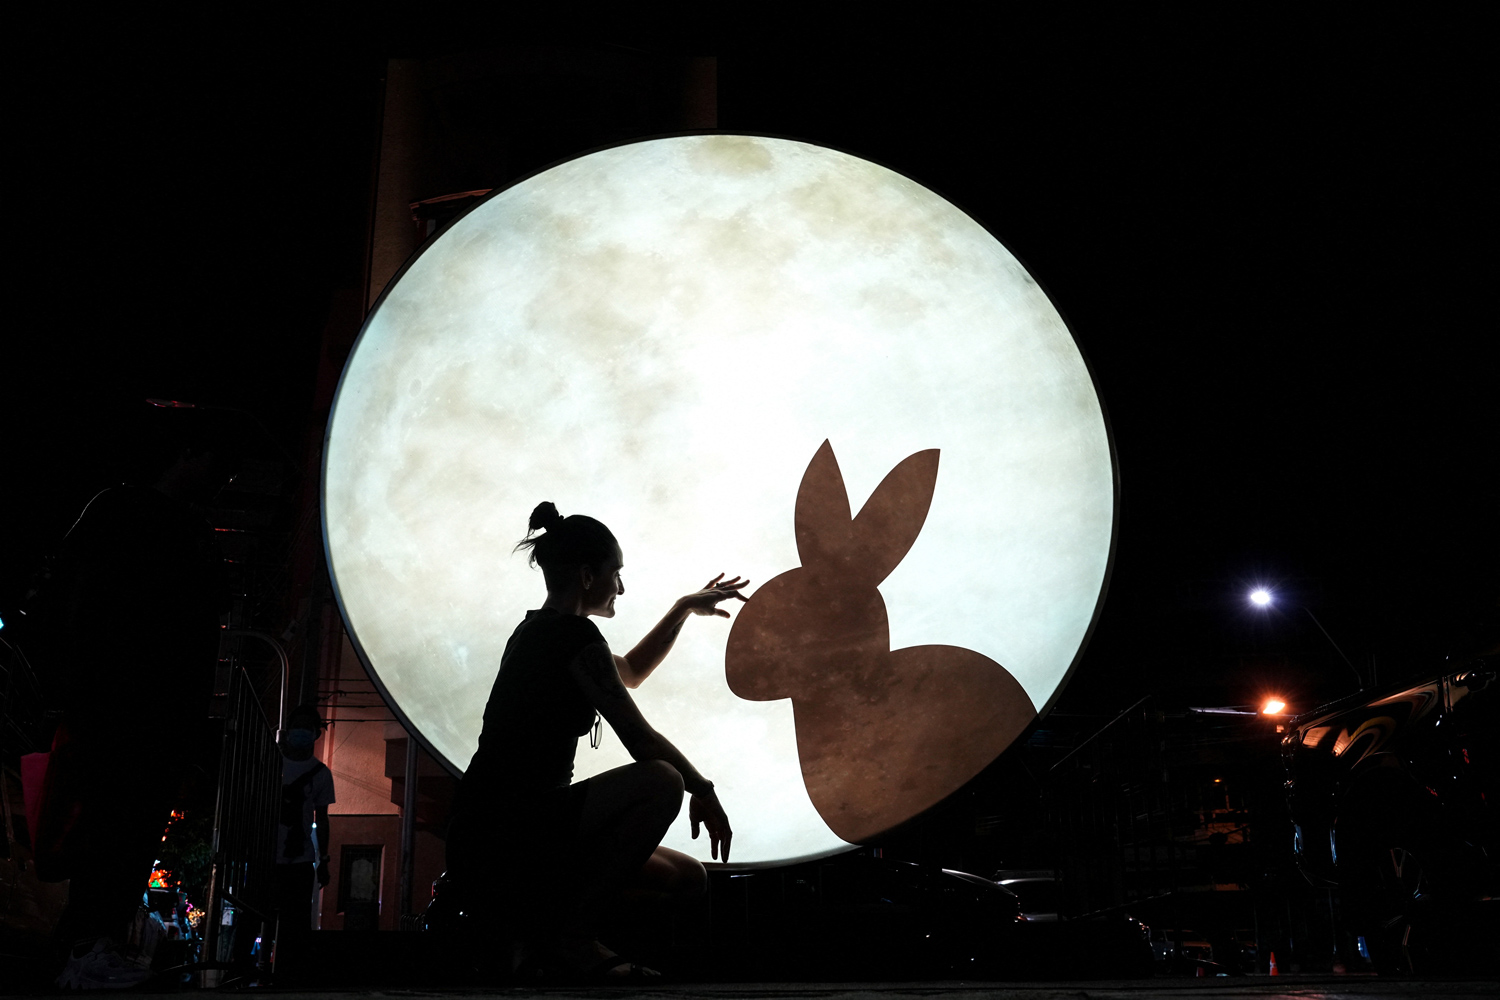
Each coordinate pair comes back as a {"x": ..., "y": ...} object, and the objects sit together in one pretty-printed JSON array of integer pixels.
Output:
[{"x": 293, "y": 797}]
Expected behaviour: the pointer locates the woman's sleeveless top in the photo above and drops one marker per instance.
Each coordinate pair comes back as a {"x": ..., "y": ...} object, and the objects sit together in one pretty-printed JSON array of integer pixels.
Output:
[{"x": 536, "y": 710}]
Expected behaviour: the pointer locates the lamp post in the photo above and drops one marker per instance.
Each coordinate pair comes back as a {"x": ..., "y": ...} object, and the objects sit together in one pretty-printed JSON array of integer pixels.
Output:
[{"x": 1262, "y": 598}]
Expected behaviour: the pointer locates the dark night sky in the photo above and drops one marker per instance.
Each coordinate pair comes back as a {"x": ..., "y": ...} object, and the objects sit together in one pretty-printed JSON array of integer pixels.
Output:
[{"x": 1264, "y": 231}]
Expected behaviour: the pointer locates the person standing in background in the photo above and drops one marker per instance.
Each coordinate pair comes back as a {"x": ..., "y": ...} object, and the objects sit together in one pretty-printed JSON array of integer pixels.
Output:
[{"x": 303, "y": 831}]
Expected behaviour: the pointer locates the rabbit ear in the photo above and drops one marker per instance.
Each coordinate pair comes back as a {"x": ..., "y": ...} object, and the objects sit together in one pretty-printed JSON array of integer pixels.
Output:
[
  {"x": 868, "y": 547},
  {"x": 822, "y": 521},
  {"x": 889, "y": 522}
]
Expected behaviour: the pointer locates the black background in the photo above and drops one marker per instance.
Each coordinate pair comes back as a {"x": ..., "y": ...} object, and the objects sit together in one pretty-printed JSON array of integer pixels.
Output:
[{"x": 1267, "y": 230}]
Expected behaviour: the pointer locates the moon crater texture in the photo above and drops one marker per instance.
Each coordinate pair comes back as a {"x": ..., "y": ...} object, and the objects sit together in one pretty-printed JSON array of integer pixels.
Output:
[{"x": 659, "y": 335}]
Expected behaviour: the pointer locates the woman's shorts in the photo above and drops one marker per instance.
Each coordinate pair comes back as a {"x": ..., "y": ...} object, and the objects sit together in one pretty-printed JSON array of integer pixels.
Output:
[{"x": 496, "y": 843}]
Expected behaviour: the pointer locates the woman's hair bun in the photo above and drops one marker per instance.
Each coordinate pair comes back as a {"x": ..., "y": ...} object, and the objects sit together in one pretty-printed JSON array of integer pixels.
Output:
[
  {"x": 545, "y": 516},
  {"x": 565, "y": 544}
]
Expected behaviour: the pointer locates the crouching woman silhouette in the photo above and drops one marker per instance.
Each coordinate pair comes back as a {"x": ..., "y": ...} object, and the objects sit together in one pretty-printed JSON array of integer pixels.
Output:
[{"x": 517, "y": 795}]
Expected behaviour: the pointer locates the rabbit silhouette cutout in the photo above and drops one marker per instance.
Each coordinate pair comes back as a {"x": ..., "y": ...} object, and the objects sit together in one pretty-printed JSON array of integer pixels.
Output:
[{"x": 882, "y": 734}]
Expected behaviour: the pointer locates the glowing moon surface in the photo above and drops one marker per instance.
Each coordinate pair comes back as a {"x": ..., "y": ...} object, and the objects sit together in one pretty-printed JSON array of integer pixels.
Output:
[{"x": 662, "y": 335}]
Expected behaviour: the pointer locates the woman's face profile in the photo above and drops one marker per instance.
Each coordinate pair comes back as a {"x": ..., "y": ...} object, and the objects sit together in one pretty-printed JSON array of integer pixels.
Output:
[{"x": 607, "y": 585}]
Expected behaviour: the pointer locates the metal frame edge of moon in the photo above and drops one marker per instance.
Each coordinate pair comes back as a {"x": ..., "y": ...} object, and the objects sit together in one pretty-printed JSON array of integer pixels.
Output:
[{"x": 749, "y": 354}]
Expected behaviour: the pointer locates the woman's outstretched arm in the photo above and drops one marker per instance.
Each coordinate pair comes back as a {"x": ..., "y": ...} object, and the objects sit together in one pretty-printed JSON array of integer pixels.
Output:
[{"x": 635, "y": 666}]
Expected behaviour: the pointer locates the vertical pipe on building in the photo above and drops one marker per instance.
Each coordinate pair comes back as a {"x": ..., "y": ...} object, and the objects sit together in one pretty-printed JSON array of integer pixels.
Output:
[
  {"x": 699, "y": 106},
  {"x": 408, "y": 825},
  {"x": 393, "y": 238}
]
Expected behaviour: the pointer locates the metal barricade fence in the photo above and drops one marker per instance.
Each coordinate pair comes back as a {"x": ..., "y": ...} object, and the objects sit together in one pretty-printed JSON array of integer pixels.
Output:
[
  {"x": 240, "y": 906},
  {"x": 1110, "y": 803}
]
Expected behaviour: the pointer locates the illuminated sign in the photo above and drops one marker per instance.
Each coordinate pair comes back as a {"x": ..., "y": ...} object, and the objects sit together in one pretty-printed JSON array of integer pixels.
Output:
[{"x": 721, "y": 346}]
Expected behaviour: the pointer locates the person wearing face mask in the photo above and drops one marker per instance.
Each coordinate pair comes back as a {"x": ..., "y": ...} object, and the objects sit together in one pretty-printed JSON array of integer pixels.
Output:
[{"x": 301, "y": 849}]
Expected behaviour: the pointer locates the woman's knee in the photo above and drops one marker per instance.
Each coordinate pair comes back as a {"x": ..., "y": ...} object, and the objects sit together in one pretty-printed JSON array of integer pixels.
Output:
[
  {"x": 662, "y": 780},
  {"x": 693, "y": 878},
  {"x": 674, "y": 874}
]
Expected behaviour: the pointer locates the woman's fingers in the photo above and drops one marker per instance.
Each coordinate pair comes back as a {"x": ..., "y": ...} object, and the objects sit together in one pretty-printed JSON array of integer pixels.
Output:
[
  {"x": 715, "y": 592},
  {"x": 710, "y": 813}
]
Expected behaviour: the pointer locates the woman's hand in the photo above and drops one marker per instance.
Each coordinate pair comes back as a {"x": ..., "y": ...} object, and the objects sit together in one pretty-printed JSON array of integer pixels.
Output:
[
  {"x": 706, "y": 601},
  {"x": 705, "y": 809},
  {"x": 637, "y": 665}
]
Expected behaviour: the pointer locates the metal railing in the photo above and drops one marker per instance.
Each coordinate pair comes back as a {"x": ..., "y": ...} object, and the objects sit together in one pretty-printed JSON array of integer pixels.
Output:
[
  {"x": 230, "y": 657},
  {"x": 240, "y": 905},
  {"x": 1110, "y": 803}
]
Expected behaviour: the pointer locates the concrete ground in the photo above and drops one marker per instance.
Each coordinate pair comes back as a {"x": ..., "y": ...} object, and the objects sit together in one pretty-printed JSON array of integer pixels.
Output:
[{"x": 1261, "y": 988}]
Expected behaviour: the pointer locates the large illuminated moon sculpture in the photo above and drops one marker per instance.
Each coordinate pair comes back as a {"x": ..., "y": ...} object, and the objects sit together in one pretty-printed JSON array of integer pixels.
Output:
[{"x": 663, "y": 335}]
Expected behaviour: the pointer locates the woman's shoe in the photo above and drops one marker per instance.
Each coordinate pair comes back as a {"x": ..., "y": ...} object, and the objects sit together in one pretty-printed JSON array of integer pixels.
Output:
[
  {"x": 618, "y": 969},
  {"x": 565, "y": 966}
]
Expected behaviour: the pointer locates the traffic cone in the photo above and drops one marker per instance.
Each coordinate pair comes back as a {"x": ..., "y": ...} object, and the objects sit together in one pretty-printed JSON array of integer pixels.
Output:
[{"x": 1274, "y": 971}]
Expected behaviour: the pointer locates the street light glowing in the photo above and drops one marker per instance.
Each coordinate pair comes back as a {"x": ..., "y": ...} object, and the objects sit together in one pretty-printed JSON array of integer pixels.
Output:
[
  {"x": 1260, "y": 597},
  {"x": 1273, "y": 706}
]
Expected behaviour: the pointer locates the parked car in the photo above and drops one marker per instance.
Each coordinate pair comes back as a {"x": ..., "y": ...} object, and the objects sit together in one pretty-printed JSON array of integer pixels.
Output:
[
  {"x": 1393, "y": 800},
  {"x": 1107, "y": 945},
  {"x": 1040, "y": 897},
  {"x": 946, "y": 922}
]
